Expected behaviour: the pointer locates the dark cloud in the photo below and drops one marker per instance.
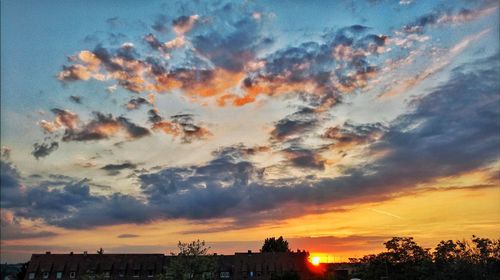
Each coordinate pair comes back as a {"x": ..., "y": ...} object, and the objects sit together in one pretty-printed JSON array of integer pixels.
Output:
[
  {"x": 76, "y": 99},
  {"x": 102, "y": 127},
  {"x": 216, "y": 187},
  {"x": 296, "y": 124},
  {"x": 454, "y": 129},
  {"x": 126, "y": 165},
  {"x": 161, "y": 24},
  {"x": 136, "y": 103},
  {"x": 154, "y": 117},
  {"x": 154, "y": 43},
  {"x": 44, "y": 149},
  {"x": 183, "y": 23},
  {"x": 10, "y": 184},
  {"x": 239, "y": 44},
  {"x": 304, "y": 158},
  {"x": 70, "y": 206},
  {"x": 108, "y": 210},
  {"x": 114, "y": 169},
  {"x": 114, "y": 21},
  {"x": 133, "y": 130}
]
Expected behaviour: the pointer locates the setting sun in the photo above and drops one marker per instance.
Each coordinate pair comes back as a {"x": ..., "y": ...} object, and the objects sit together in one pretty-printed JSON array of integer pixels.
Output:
[{"x": 315, "y": 260}]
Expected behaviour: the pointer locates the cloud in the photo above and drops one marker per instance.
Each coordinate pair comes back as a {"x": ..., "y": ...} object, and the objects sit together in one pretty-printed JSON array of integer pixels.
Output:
[
  {"x": 127, "y": 235},
  {"x": 136, "y": 103},
  {"x": 318, "y": 71},
  {"x": 12, "y": 229},
  {"x": 449, "y": 131},
  {"x": 179, "y": 125},
  {"x": 64, "y": 120},
  {"x": 444, "y": 17},
  {"x": 154, "y": 117},
  {"x": 349, "y": 134},
  {"x": 404, "y": 85},
  {"x": 104, "y": 126},
  {"x": 44, "y": 149},
  {"x": 220, "y": 57},
  {"x": 160, "y": 24},
  {"x": 114, "y": 169},
  {"x": 304, "y": 158},
  {"x": 10, "y": 184},
  {"x": 76, "y": 99},
  {"x": 184, "y": 24},
  {"x": 231, "y": 38},
  {"x": 296, "y": 124},
  {"x": 5, "y": 152},
  {"x": 70, "y": 205}
]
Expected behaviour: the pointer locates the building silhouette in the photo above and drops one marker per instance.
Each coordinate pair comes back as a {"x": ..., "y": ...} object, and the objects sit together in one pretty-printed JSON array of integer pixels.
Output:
[{"x": 247, "y": 265}]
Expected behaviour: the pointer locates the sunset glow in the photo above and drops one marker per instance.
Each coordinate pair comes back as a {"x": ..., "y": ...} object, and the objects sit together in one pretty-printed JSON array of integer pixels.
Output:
[{"x": 132, "y": 125}]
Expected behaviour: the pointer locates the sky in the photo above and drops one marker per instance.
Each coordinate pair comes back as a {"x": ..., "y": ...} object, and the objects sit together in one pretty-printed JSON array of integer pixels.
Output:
[{"x": 133, "y": 125}]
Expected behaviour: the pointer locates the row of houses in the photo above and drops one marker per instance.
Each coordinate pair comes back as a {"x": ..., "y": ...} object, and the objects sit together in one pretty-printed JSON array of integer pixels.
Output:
[{"x": 248, "y": 265}]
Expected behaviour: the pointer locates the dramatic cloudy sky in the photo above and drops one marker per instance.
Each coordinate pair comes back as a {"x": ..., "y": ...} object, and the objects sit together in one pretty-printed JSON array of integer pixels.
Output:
[{"x": 131, "y": 125}]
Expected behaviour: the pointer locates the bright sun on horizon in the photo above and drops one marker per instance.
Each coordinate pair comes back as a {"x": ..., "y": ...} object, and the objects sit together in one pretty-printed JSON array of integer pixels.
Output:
[{"x": 315, "y": 260}]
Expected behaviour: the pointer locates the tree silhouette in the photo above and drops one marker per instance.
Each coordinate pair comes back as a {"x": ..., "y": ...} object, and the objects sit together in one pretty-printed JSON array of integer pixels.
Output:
[
  {"x": 458, "y": 260},
  {"x": 192, "y": 262},
  {"x": 275, "y": 245}
]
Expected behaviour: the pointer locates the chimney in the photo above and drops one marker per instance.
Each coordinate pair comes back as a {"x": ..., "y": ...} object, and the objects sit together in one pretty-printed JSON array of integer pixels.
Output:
[
  {"x": 249, "y": 251},
  {"x": 85, "y": 253},
  {"x": 71, "y": 253},
  {"x": 47, "y": 253}
]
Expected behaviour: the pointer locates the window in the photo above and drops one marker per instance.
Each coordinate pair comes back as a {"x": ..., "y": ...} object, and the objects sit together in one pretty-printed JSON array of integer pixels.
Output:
[
  {"x": 121, "y": 273},
  {"x": 136, "y": 272},
  {"x": 225, "y": 274},
  {"x": 59, "y": 274},
  {"x": 31, "y": 276},
  {"x": 72, "y": 275},
  {"x": 107, "y": 274},
  {"x": 45, "y": 275},
  {"x": 150, "y": 273}
]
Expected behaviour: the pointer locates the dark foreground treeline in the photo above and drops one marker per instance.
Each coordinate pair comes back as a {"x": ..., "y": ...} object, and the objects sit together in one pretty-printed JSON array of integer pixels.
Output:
[{"x": 478, "y": 258}]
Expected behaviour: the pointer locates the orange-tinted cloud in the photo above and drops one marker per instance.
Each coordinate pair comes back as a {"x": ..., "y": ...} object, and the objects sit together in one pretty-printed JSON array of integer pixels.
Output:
[
  {"x": 179, "y": 126},
  {"x": 64, "y": 120}
]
